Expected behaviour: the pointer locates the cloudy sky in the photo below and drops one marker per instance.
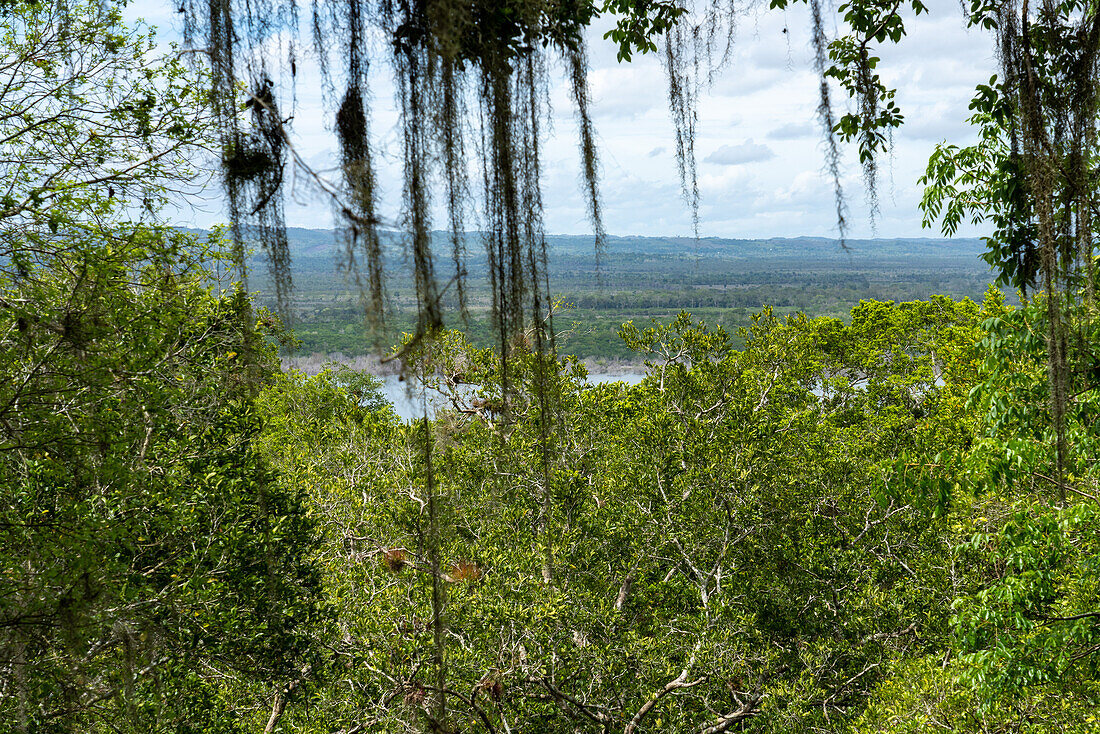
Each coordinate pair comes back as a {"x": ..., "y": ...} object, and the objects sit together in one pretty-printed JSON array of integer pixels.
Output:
[{"x": 758, "y": 143}]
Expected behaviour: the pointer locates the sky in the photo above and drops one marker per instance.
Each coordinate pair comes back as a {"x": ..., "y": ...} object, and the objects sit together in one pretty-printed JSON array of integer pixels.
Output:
[{"x": 758, "y": 142}]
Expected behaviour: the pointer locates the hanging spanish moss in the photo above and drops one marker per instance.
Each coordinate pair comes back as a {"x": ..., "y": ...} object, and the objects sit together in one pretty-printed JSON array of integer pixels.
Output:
[
  {"x": 254, "y": 164},
  {"x": 682, "y": 103},
  {"x": 577, "y": 58},
  {"x": 826, "y": 118},
  {"x": 542, "y": 333},
  {"x": 1050, "y": 63},
  {"x": 514, "y": 240},
  {"x": 696, "y": 47},
  {"x": 1022, "y": 257},
  {"x": 449, "y": 58},
  {"x": 254, "y": 149},
  {"x": 410, "y": 60},
  {"x": 450, "y": 113},
  {"x": 867, "y": 100},
  {"x": 355, "y": 210}
]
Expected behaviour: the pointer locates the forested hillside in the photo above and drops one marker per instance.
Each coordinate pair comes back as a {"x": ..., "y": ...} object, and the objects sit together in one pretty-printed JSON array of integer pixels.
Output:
[{"x": 879, "y": 516}]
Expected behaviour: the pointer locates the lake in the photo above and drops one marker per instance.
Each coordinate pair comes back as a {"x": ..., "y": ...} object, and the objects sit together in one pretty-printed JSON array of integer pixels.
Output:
[{"x": 408, "y": 405}]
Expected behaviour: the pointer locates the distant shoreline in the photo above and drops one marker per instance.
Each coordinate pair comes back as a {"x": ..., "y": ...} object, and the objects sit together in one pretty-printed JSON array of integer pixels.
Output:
[{"x": 314, "y": 363}]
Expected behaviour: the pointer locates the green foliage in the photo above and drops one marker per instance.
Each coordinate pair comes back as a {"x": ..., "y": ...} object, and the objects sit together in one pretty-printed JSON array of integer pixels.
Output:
[
  {"x": 885, "y": 522},
  {"x": 144, "y": 539},
  {"x": 94, "y": 123},
  {"x": 1027, "y": 630},
  {"x": 984, "y": 182},
  {"x": 729, "y": 542},
  {"x": 1030, "y": 632},
  {"x": 1023, "y": 652},
  {"x": 640, "y": 22},
  {"x": 153, "y": 576}
]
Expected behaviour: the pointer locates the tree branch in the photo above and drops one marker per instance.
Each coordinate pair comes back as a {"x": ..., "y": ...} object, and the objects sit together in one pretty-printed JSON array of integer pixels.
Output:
[
  {"x": 677, "y": 683},
  {"x": 560, "y": 696},
  {"x": 746, "y": 710}
]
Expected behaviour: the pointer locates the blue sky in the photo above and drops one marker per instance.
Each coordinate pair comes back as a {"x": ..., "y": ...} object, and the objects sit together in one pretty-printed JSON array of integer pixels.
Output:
[{"x": 758, "y": 142}]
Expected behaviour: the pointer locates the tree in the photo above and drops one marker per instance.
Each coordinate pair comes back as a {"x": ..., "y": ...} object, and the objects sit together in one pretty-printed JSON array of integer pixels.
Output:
[
  {"x": 1022, "y": 655},
  {"x": 1030, "y": 627},
  {"x": 149, "y": 565},
  {"x": 127, "y": 437},
  {"x": 93, "y": 125},
  {"x": 1030, "y": 177}
]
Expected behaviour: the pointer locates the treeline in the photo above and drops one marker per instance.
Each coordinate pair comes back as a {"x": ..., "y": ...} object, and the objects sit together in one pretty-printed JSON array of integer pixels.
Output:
[
  {"x": 153, "y": 567},
  {"x": 329, "y": 324},
  {"x": 640, "y": 278}
]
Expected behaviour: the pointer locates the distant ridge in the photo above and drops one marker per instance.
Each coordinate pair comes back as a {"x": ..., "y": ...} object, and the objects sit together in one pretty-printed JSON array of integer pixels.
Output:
[{"x": 321, "y": 243}]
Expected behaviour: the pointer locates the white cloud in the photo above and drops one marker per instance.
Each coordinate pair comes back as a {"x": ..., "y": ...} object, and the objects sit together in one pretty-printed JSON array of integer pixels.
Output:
[
  {"x": 735, "y": 155},
  {"x": 792, "y": 131},
  {"x": 626, "y": 91}
]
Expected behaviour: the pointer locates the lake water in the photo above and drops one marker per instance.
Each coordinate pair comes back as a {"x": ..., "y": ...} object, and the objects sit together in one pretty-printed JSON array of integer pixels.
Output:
[{"x": 408, "y": 405}]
